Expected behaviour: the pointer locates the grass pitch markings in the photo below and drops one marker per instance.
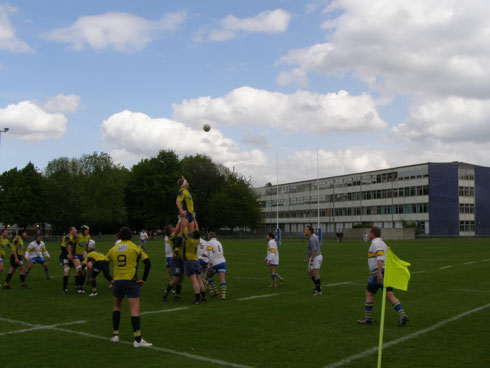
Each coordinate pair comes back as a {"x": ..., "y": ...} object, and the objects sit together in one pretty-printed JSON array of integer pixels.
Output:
[
  {"x": 471, "y": 262},
  {"x": 472, "y": 290},
  {"x": 374, "y": 350},
  {"x": 164, "y": 310},
  {"x": 341, "y": 283},
  {"x": 35, "y": 327},
  {"x": 445, "y": 267},
  {"x": 258, "y": 296}
]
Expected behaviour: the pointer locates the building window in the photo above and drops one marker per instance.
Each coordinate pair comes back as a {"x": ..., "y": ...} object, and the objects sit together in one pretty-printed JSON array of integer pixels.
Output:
[{"x": 467, "y": 226}]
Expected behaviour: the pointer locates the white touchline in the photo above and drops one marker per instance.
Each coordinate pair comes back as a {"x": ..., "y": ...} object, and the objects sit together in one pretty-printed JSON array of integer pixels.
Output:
[
  {"x": 445, "y": 267},
  {"x": 415, "y": 272},
  {"x": 258, "y": 296},
  {"x": 374, "y": 350},
  {"x": 81, "y": 333},
  {"x": 35, "y": 327},
  {"x": 164, "y": 311},
  {"x": 470, "y": 262},
  {"x": 341, "y": 283}
]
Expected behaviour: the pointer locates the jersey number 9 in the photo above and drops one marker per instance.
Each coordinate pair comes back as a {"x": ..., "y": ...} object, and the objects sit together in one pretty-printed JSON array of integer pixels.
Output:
[{"x": 121, "y": 260}]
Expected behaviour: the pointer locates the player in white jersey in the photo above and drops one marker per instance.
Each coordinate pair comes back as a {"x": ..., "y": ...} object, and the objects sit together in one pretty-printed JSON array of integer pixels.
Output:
[
  {"x": 376, "y": 263},
  {"x": 36, "y": 252},
  {"x": 272, "y": 259},
  {"x": 217, "y": 264},
  {"x": 143, "y": 239},
  {"x": 168, "y": 256},
  {"x": 203, "y": 257}
]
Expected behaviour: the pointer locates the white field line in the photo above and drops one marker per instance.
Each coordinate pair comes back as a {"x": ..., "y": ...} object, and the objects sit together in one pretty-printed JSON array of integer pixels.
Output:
[
  {"x": 168, "y": 351},
  {"x": 164, "y": 311},
  {"x": 258, "y": 296},
  {"x": 341, "y": 283},
  {"x": 471, "y": 262},
  {"x": 445, "y": 267},
  {"x": 36, "y": 327},
  {"x": 473, "y": 291},
  {"x": 374, "y": 350},
  {"x": 485, "y": 260},
  {"x": 416, "y": 272}
]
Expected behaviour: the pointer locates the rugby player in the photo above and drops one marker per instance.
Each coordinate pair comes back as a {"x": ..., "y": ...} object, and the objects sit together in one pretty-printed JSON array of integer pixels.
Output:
[
  {"x": 36, "y": 253},
  {"x": 185, "y": 204},
  {"x": 192, "y": 268},
  {"x": 376, "y": 263},
  {"x": 4, "y": 244},
  {"x": 217, "y": 265},
  {"x": 125, "y": 257},
  {"x": 17, "y": 259},
  {"x": 203, "y": 258},
  {"x": 272, "y": 259},
  {"x": 176, "y": 264},
  {"x": 96, "y": 263},
  {"x": 81, "y": 244},
  {"x": 66, "y": 255},
  {"x": 143, "y": 239},
  {"x": 315, "y": 259},
  {"x": 168, "y": 255}
]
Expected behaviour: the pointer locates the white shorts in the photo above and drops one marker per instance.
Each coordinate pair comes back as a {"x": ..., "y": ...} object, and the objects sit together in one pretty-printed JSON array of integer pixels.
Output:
[{"x": 317, "y": 263}]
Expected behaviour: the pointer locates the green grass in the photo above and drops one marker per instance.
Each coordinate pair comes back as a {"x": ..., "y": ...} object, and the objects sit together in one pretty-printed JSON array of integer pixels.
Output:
[{"x": 290, "y": 329}]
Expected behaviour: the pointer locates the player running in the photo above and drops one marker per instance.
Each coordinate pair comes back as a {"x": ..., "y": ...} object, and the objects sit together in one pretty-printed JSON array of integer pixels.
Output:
[
  {"x": 66, "y": 255},
  {"x": 217, "y": 265},
  {"x": 272, "y": 259},
  {"x": 17, "y": 259},
  {"x": 4, "y": 244},
  {"x": 125, "y": 257},
  {"x": 36, "y": 253},
  {"x": 96, "y": 262},
  {"x": 376, "y": 263}
]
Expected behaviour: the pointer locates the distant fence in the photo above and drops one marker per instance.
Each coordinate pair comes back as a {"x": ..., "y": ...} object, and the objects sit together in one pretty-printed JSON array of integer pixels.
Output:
[{"x": 386, "y": 234}]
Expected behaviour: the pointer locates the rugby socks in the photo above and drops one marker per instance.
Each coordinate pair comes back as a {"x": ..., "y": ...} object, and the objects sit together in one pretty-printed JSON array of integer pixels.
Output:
[
  {"x": 116, "y": 318},
  {"x": 82, "y": 281},
  {"x": 167, "y": 290},
  {"x": 45, "y": 270},
  {"x": 203, "y": 294},
  {"x": 368, "y": 310},
  {"x": 65, "y": 282},
  {"x": 313, "y": 279},
  {"x": 135, "y": 321},
  {"x": 178, "y": 289},
  {"x": 7, "y": 280},
  {"x": 223, "y": 289},
  {"x": 77, "y": 282},
  {"x": 318, "y": 284},
  {"x": 22, "y": 279},
  {"x": 273, "y": 277},
  {"x": 198, "y": 297},
  {"x": 399, "y": 309},
  {"x": 212, "y": 287}
]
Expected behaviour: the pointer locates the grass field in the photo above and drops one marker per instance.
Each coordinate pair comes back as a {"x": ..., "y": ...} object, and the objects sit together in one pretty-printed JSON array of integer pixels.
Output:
[{"x": 288, "y": 327}]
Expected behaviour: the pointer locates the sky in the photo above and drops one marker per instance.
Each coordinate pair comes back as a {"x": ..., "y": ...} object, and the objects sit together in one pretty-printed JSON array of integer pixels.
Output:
[{"x": 290, "y": 88}]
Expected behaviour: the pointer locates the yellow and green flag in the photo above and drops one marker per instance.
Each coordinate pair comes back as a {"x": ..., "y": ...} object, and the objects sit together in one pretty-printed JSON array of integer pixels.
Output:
[{"x": 396, "y": 271}]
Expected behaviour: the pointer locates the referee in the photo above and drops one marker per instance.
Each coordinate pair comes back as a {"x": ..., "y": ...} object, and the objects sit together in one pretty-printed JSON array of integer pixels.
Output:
[{"x": 125, "y": 256}]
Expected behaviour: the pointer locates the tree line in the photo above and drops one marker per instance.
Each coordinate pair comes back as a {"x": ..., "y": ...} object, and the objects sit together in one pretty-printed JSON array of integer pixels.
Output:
[{"x": 93, "y": 190}]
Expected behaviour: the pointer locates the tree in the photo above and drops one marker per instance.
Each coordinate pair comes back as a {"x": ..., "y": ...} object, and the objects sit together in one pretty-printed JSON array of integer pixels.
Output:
[
  {"x": 235, "y": 204},
  {"x": 151, "y": 191}
]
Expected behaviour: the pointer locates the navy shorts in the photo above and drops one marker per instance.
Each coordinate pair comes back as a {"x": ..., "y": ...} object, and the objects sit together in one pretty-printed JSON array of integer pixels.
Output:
[
  {"x": 79, "y": 257},
  {"x": 192, "y": 268},
  {"x": 168, "y": 262},
  {"x": 12, "y": 261},
  {"x": 373, "y": 285},
  {"x": 126, "y": 287},
  {"x": 203, "y": 264},
  {"x": 189, "y": 216},
  {"x": 65, "y": 261},
  {"x": 177, "y": 267}
]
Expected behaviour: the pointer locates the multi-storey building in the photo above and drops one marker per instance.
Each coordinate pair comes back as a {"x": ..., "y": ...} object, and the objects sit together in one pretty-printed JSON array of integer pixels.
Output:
[{"x": 440, "y": 198}]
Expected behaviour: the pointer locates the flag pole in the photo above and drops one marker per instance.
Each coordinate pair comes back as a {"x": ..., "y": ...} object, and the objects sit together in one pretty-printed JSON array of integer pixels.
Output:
[{"x": 382, "y": 324}]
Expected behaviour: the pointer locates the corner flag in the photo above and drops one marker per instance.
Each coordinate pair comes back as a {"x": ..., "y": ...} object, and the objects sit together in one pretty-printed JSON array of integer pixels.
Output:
[{"x": 396, "y": 271}]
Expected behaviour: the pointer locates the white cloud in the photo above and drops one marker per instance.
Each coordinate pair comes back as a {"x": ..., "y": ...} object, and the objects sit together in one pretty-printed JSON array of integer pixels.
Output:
[
  {"x": 137, "y": 135},
  {"x": 8, "y": 40},
  {"x": 421, "y": 47},
  {"x": 119, "y": 31},
  {"x": 269, "y": 21},
  {"x": 62, "y": 103},
  {"x": 301, "y": 111},
  {"x": 454, "y": 119},
  {"x": 29, "y": 122}
]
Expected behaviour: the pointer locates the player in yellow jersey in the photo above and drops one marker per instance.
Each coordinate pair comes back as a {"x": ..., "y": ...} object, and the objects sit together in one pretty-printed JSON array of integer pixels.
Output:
[
  {"x": 96, "y": 263},
  {"x": 66, "y": 255},
  {"x": 125, "y": 257},
  {"x": 80, "y": 250},
  {"x": 192, "y": 268},
  {"x": 17, "y": 260},
  {"x": 185, "y": 204},
  {"x": 4, "y": 244}
]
